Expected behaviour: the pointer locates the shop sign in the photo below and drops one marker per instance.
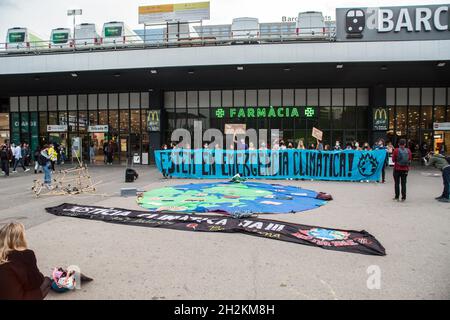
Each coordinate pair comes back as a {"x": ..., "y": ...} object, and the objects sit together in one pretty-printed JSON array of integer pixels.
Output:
[
  {"x": 56, "y": 128},
  {"x": 444, "y": 126},
  {"x": 98, "y": 128},
  {"x": 192, "y": 11},
  {"x": 153, "y": 120},
  {"x": 380, "y": 119},
  {"x": 426, "y": 22},
  {"x": 265, "y": 112}
]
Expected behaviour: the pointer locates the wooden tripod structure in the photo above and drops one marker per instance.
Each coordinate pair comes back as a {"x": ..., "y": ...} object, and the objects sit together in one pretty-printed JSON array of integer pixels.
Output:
[{"x": 71, "y": 181}]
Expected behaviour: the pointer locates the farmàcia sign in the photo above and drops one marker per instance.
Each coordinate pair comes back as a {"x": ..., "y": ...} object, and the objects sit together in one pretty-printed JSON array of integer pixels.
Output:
[{"x": 264, "y": 112}]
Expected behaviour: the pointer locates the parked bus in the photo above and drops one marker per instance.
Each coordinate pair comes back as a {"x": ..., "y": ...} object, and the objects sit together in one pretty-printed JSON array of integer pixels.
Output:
[
  {"x": 61, "y": 38},
  {"x": 86, "y": 36},
  {"x": 311, "y": 24},
  {"x": 116, "y": 33},
  {"x": 245, "y": 29},
  {"x": 21, "y": 39}
]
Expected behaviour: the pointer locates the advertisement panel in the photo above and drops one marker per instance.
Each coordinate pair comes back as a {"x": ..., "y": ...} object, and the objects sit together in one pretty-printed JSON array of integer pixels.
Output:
[
  {"x": 380, "y": 119},
  {"x": 427, "y": 22},
  {"x": 153, "y": 120},
  {"x": 183, "y": 12}
]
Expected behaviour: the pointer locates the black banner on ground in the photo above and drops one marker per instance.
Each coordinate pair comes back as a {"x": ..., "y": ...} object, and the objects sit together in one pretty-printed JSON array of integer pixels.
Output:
[{"x": 332, "y": 239}]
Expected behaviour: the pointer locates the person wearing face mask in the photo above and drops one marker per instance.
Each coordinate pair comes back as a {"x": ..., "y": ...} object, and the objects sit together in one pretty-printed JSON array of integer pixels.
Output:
[{"x": 337, "y": 146}]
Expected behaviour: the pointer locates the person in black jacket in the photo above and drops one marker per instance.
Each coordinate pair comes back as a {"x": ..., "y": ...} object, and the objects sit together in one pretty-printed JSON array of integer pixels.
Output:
[
  {"x": 20, "y": 278},
  {"x": 4, "y": 158}
]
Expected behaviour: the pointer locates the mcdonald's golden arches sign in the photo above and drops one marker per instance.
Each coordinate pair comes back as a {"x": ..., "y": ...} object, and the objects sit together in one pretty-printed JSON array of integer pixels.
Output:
[
  {"x": 380, "y": 119},
  {"x": 153, "y": 120}
]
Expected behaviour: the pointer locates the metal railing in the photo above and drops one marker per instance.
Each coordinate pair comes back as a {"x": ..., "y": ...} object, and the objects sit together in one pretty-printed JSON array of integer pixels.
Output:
[{"x": 170, "y": 40}]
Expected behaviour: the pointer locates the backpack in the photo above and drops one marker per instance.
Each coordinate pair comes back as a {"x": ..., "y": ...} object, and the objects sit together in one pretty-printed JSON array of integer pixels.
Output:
[
  {"x": 403, "y": 157},
  {"x": 448, "y": 159},
  {"x": 42, "y": 160},
  {"x": 4, "y": 154}
]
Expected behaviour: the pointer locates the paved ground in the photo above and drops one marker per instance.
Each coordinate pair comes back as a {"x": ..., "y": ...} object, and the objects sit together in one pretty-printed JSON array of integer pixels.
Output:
[{"x": 130, "y": 262}]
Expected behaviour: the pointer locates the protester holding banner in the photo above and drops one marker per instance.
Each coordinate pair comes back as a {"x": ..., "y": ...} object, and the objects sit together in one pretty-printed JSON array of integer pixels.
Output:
[
  {"x": 20, "y": 278},
  {"x": 440, "y": 162},
  {"x": 380, "y": 146},
  {"x": 402, "y": 158}
]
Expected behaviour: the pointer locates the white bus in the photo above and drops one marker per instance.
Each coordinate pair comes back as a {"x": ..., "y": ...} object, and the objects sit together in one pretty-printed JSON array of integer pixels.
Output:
[
  {"x": 21, "y": 39},
  {"x": 61, "y": 38},
  {"x": 311, "y": 24},
  {"x": 86, "y": 36},
  {"x": 116, "y": 33},
  {"x": 245, "y": 29}
]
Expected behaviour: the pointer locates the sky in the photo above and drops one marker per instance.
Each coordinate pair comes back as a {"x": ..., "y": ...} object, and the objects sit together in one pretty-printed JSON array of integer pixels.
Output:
[{"x": 41, "y": 16}]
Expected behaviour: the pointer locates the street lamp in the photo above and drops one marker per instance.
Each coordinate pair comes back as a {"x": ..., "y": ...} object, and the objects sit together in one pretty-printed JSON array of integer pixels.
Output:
[{"x": 74, "y": 12}]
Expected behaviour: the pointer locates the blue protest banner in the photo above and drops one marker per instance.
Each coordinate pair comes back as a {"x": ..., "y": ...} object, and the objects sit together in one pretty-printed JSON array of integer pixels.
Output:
[{"x": 345, "y": 165}]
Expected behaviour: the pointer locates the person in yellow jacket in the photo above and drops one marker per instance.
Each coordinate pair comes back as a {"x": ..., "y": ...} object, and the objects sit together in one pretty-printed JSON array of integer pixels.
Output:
[{"x": 53, "y": 156}]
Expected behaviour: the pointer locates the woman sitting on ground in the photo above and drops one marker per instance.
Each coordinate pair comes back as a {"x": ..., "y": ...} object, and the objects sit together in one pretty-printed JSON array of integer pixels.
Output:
[{"x": 20, "y": 278}]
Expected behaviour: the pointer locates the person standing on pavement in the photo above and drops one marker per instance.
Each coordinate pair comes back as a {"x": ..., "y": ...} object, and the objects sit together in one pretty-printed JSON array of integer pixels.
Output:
[
  {"x": 402, "y": 158},
  {"x": 440, "y": 162},
  {"x": 53, "y": 156},
  {"x": 4, "y": 158},
  {"x": 380, "y": 146},
  {"x": 18, "y": 158},
  {"x": 36, "y": 154},
  {"x": 44, "y": 161}
]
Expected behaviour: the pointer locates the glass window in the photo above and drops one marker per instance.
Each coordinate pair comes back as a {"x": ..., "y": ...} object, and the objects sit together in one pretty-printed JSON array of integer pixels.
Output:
[
  {"x": 439, "y": 114},
  {"x": 33, "y": 103},
  {"x": 401, "y": 121},
  {"x": 361, "y": 117},
  {"x": 338, "y": 117},
  {"x": 180, "y": 99},
  {"x": 72, "y": 103},
  {"x": 144, "y": 120},
  {"x": 390, "y": 96},
  {"x": 124, "y": 121},
  {"x": 73, "y": 126},
  {"x": 216, "y": 99},
  {"x": 413, "y": 117},
  {"x": 391, "y": 111},
  {"x": 439, "y": 96},
  {"x": 82, "y": 102},
  {"x": 427, "y": 96},
  {"x": 42, "y": 101},
  {"x": 263, "y": 98},
  {"x": 53, "y": 118},
  {"x": 62, "y": 103},
  {"x": 14, "y": 104},
  {"x": 123, "y": 101},
  {"x": 275, "y": 98},
  {"x": 227, "y": 98},
  {"x": 135, "y": 121},
  {"x": 350, "y": 97},
  {"x": 23, "y": 104},
  {"x": 52, "y": 103},
  {"x": 169, "y": 100},
  {"x": 135, "y": 100},
  {"x": 324, "y": 118},
  {"x": 62, "y": 118},
  {"x": 204, "y": 117},
  {"x": 92, "y": 102},
  {"x": 402, "y": 96},
  {"x": 288, "y": 97},
  {"x": 102, "y": 101},
  {"x": 414, "y": 97},
  {"x": 102, "y": 117},
  {"x": 337, "y": 97},
  {"x": 251, "y": 97},
  {"x": 82, "y": 121},
  {"x": 43, "y": 123},
  {"x": 239, "y": 98},
  {"x": 192, "y": 99},
  {"x": 93, "y": 118},
  {"x": 300, "y": 97},
  {"x": 363, "y": 97},
  {"x": 204, "y": 99},
  {"x": 313, "y": 97},
  {"x": 325, "y": 97},
  {"x": 427, "y": 118},
  {"x": 145, "y": 99},
  {"x": 113, "y": 101},
  {"x": 349, "y": 118},
  {"x": 113, "y": 121}
]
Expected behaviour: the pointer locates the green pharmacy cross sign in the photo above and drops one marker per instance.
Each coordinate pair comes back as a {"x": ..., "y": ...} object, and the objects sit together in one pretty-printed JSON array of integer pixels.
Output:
[{"x": 264, "y": 112}]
